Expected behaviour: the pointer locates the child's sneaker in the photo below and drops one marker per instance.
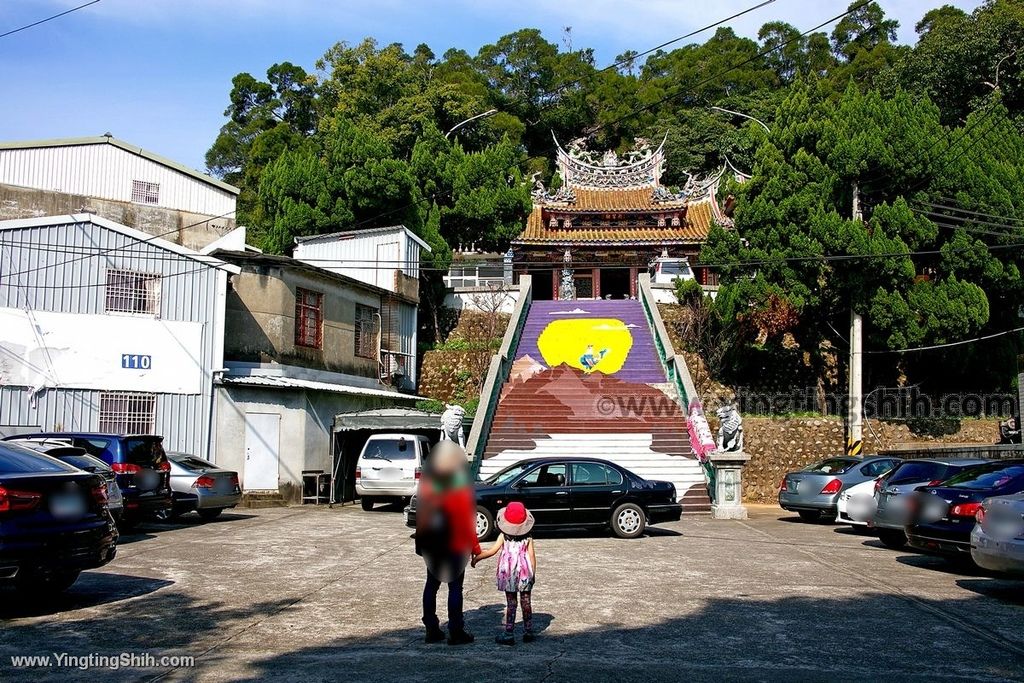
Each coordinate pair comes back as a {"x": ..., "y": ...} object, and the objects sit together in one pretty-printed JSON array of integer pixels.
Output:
[
  {"x": 529, "y": 637},
  {"x": 505, "y": 638}
]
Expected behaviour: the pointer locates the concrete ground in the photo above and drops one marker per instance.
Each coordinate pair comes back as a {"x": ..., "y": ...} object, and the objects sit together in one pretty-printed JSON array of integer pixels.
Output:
[{"x": 306, "y": 594}]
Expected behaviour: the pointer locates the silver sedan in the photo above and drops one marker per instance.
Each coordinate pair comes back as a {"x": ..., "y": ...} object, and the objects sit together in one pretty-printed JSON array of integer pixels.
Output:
[
  {"x": 813, "y": 492},
  {"x": 997, "y": 542},
  {"x": 199, "y": 485}
]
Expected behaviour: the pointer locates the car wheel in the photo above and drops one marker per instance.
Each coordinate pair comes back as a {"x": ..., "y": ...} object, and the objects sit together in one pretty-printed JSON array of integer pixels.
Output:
[
  {"x": 892, "y": 538},
  {"x": 56, "y": 582},
  {"x": 210, "y": 514},
  {"x": 628, "y": 521},
  {"x": 484, "y": 524},
  {"x": 367, "y": 503},
  {"x": 127, "y": 524},
  {"x": 809, "y": 515},
  {"x": 167, "y": 515}
]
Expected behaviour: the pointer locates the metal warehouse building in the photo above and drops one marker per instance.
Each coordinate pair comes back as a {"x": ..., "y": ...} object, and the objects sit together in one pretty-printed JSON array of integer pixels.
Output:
[{"x": 106, "y": 328}]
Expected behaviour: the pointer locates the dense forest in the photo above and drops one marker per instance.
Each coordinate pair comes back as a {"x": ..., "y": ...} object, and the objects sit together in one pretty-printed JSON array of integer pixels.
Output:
[{"x": 885, "y": 178}]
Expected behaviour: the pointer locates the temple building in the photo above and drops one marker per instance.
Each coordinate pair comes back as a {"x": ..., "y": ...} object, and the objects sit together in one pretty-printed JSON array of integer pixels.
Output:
[{"x": 609, "y": 220}]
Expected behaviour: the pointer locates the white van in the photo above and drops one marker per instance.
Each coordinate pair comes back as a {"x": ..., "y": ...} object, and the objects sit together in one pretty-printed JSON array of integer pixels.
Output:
[{"x": 389, "y": 467}]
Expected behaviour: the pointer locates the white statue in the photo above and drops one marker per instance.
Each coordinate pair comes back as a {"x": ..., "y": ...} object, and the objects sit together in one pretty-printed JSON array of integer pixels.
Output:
[
  {"x": 730, "y": 429},
  {"x": 451, "y": 424}
]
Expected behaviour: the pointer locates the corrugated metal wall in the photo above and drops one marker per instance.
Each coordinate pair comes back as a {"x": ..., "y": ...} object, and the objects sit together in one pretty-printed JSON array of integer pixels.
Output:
[
  {"x": 370, "y": 258},
  {"x": 75, "y": 283},
  {"x": 106, "y": 171}
]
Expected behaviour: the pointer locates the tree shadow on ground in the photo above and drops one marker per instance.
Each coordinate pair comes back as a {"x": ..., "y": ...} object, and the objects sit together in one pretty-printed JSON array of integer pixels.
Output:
[
  {"x": 91, "y": 589},
  {"x": 871, "y": 637}
]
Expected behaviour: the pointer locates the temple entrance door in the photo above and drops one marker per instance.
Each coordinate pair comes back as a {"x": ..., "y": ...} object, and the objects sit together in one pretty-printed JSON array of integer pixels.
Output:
[
  {"x": 543, "y": 285},
  {"x": 584, "y": 285},
  {"x": 615, "y": 282}
]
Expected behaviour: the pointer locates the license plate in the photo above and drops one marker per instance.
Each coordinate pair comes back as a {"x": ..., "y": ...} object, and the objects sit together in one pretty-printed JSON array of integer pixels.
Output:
[
  {"x": 405, "y": 516},
  {"x": 67, "y": 505},
  {"x": 148, "y": 480}
]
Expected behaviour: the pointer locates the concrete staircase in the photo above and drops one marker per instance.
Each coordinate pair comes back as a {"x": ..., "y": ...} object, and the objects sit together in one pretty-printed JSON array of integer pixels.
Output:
[{"x": 624, "y": 416}]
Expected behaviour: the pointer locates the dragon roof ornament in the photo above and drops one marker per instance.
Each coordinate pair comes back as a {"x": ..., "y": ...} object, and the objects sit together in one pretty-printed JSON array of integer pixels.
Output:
[{"x": 641, "y": 166}]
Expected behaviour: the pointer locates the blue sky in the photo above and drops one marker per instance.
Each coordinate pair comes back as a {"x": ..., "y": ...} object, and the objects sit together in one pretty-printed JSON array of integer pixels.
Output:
[{"x": 157, "y": 73}]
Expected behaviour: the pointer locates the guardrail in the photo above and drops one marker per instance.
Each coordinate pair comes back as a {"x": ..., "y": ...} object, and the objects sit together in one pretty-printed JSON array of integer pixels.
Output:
[
  {"x": 678, "y": 374},
  {"x": 497, "y": 374}
]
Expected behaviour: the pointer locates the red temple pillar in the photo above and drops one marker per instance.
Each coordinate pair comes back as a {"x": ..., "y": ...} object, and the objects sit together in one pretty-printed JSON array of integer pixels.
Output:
[{"x": 633, "y": 274}]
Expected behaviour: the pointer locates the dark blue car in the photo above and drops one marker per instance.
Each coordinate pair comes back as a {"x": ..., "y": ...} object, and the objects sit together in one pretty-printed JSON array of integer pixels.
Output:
[
  {"x": 944, "y": 515},
  {"x": 54, "y": 521},
  {"x": 142, "y": 468}
]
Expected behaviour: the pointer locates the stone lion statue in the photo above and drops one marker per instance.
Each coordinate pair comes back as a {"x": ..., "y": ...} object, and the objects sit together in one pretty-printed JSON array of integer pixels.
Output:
[
  {"x": 451, "y": 424},
  {"x": 730, "y": 429}
]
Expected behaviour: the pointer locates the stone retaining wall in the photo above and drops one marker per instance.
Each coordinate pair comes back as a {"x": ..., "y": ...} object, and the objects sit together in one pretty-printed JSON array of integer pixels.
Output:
[{"x": 780, "y": 445}]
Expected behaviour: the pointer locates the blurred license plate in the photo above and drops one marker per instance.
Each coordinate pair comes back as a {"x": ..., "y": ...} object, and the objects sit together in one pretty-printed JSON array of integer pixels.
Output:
[
  {"x": 67, "y": 505},
  {"x": 405, "y": 516},
  {"x": 148, "y": 480}
]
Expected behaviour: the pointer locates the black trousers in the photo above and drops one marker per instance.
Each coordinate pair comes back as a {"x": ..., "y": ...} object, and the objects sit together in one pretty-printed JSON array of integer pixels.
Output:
[{"x": 458, "y": 573}]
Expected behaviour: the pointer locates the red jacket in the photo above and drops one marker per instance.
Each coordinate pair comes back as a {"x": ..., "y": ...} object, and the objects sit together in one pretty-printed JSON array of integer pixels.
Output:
[{"x": 459, "y": 508}]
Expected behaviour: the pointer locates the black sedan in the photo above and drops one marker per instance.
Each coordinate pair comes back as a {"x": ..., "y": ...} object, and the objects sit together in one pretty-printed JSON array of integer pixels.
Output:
[
  {"x": 54, "y": 521},
  {"x": 944, "y": 515},
  {"x": 573, "y": 492}
]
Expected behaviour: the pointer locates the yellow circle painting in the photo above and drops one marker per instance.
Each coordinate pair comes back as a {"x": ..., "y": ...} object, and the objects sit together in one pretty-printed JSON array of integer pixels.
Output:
[{"x": 590, "y": 344}]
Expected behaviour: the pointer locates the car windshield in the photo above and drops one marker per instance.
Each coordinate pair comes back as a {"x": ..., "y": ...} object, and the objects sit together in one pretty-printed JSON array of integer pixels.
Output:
[
  {"x": 508, "y": 474},
  {"x": 992, "y": 476},
  {"x": 191, "y": 462},
  {"x": 144, "y": 451},
  {"x": 390, "y": 449},
  {"x": 18, "y": 460},
  {"x": 910, "y": 472},
  {"x": 831, "y": 466}
]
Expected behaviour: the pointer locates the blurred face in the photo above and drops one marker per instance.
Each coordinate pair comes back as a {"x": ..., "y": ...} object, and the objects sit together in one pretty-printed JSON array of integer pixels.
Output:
[{"x": 447, "y": 465}]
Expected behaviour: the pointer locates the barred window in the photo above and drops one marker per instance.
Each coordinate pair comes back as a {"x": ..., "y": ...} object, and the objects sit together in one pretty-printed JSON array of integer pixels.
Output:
[
  {"x": 366, "y": 331},
  {"x": 129, "y": 291},
  {"x": 144, "y": 192},
  {"x": 309, "y": 318},
  {"x": 123, "y": 412}
]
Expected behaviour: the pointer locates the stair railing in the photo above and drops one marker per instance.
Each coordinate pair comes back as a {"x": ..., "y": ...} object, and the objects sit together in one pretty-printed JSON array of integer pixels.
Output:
[
  {"x": 701, "y": 440},
  {"x": 497, "y": 374}
]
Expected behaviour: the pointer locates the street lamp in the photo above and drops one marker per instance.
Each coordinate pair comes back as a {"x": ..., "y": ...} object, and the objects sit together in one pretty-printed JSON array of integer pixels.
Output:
[
  {"x": 489, "y": 112},
  {"x": 744, "y": 116}
]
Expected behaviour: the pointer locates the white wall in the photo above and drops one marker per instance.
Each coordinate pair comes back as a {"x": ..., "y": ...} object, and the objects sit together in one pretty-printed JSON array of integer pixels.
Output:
[
  {"x": 371, "y": 257},
  {"x": 470, "y": 298},
  {"x": 107, "y": 172}
]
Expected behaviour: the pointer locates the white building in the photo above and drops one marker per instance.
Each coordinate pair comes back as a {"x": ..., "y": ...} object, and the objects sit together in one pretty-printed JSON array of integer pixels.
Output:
[
  {"x": 106, "y": 328},
  {"x": 113, "y": 179}
]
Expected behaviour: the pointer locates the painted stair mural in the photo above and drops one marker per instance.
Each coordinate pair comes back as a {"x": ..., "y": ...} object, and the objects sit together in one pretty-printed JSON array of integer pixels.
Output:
[{"x": 586, "y": 380}]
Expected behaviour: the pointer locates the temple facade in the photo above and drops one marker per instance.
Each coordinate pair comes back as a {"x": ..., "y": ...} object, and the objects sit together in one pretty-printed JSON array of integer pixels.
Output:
[{"x": 608, "y": 221}]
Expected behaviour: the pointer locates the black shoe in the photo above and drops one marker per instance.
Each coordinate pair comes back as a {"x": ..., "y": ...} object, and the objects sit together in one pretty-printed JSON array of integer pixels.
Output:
[
  {"x": 528, "y": 637},
  {"x": 434, "y": 635},
  {"x": 505, "y": 638},
  {"x": 460, "y": 637}
]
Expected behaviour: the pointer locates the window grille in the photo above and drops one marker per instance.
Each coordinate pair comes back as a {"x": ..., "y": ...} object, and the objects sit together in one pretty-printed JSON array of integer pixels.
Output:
[
  {"x": 129, "y": 291},
  {"x": 366, "y": 331},
  {"x": 309, "y": 318},
  {"x": 124, "y": 412},
  {"x": 145, "y": 193}
]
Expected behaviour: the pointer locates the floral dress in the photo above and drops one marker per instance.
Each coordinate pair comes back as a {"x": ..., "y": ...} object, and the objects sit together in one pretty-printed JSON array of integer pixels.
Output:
[{"x": 515, "y": 573}]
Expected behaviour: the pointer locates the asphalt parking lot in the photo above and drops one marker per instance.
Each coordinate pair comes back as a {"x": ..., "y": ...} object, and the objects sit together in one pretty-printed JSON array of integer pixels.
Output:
[{"x": 310, "y": 594}]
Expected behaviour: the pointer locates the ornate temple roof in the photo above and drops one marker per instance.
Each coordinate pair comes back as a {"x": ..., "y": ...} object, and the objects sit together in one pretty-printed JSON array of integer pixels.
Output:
[{"x": 611, "y": 200}]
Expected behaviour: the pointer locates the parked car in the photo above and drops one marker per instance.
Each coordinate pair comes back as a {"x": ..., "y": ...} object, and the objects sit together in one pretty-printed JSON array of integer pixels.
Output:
[
  {"x": 997, "y": 541},
  {"x": 54, "y": 521},
  {"x": 199, "y": 485},
  {"x": 813, "y": 492},
  {"x": 573, "y": 492},
  {"x": 389, "y": 466},
  {"x": 944, "y": 515},
  {"x": 856, "y": 505},
  {"x": 895, "y": 492},
  {"x": 140, "y": 463},
  {"x": 77, "y": 457}
]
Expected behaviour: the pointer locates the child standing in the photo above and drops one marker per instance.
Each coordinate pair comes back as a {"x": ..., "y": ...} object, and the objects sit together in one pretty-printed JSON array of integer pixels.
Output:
[{"x": 517, "y": 563}]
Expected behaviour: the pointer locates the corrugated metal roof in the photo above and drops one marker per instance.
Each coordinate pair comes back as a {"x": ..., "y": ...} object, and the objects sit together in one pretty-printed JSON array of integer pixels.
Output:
[
  {"x": 277, "y": 382},
  {"x": 347, "y": 234},
  {"x": 100, "y": 221},
  {"x": 121, "y": 144}
]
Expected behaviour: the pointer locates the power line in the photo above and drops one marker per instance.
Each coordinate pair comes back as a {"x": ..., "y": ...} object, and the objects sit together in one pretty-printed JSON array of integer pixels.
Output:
[
  {"x": 968, "y": 211},
  {"x": 947, "y": 345},
  {"x": 43, "y": 21}
]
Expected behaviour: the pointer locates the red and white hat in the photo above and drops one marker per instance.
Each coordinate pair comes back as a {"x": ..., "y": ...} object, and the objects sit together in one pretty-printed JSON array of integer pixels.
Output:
[{"x": 515, "y": 520}]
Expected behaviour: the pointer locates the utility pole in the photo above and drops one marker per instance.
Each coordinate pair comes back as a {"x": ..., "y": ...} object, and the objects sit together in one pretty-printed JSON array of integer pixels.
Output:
[{"x": 855, "y": 414}]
